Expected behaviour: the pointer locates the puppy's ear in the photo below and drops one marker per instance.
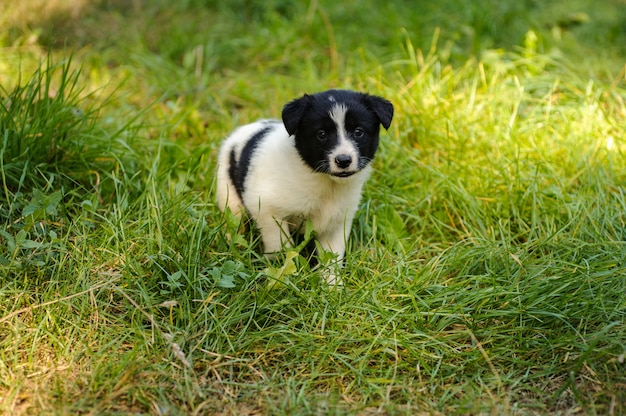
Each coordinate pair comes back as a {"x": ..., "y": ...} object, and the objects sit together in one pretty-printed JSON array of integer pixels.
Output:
[
  {"x": 381, "y": 107},
  {"x": 293, "y": 113}
]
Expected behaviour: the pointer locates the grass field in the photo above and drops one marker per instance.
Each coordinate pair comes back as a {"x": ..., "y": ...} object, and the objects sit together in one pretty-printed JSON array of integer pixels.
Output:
[{"x": 486, "y": 271}]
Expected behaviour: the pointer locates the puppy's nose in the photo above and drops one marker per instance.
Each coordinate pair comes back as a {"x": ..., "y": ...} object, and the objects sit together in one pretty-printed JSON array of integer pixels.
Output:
[{"x": 343, "y": 161}]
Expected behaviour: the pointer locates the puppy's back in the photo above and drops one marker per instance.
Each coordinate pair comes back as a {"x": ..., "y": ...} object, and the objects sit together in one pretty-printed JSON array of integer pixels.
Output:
[{"x": 234, "y": 160}]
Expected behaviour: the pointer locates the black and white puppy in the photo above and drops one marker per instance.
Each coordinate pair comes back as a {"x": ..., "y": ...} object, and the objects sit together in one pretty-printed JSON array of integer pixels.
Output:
[{"x": 311, "y": 166}]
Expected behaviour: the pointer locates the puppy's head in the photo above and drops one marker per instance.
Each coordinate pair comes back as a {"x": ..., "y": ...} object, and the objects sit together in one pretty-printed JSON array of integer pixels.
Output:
[{"x": 336, "y": 131}]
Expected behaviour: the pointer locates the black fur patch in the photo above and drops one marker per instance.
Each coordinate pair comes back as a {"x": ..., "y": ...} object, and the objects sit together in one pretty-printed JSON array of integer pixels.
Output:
[{"x": 238, "y": 170}]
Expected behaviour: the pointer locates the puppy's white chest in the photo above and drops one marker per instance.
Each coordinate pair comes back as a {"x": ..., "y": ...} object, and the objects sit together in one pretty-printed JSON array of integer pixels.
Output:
[{"x": 329, "y": 204}]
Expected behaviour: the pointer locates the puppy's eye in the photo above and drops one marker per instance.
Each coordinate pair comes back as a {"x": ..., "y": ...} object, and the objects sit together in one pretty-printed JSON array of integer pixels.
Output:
[
  {"x": 359, "y": 132},
  {"x": 321, "y": 135}
]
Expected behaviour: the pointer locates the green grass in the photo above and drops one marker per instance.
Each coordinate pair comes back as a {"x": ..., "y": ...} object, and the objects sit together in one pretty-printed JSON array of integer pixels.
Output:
[{"x": 485, "y": 273}]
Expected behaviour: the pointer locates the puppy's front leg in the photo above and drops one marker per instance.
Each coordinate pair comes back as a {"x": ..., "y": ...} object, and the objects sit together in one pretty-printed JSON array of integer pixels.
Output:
[
  {"x": 335, "y": 241},
  {"x": 275, "y": 235}
]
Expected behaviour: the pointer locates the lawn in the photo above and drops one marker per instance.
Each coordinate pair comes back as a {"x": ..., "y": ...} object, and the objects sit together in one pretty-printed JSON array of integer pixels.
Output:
[{"x": 486, "y": 270}]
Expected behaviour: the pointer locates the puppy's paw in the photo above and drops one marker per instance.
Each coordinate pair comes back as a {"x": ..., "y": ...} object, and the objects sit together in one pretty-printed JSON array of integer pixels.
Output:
[
  {"x": 333, "y": 278},
  {"x": 272, "y": 255}
]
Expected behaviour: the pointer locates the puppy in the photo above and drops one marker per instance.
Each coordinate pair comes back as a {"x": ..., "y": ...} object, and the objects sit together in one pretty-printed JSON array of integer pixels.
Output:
[{"x": 312, "y": 166}]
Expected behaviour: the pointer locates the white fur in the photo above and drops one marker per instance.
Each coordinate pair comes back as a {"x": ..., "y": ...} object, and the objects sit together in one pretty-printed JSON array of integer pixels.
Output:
[
  {"x": 338, "y": 115},
  {"x": 281, "y": 190}
]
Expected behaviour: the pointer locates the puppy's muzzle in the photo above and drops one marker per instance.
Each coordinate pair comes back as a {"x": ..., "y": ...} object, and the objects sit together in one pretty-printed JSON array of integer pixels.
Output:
[{"x": 343, "y": 161}]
